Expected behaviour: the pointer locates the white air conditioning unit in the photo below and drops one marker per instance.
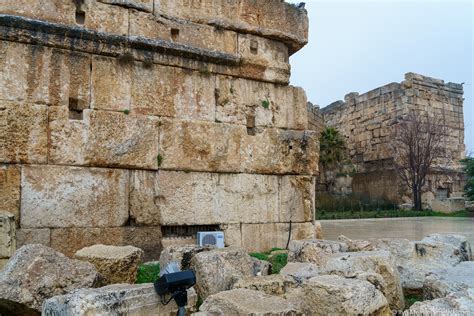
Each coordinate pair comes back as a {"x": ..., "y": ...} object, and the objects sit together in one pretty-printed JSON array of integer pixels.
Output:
[{"x": 211, "y": 238}]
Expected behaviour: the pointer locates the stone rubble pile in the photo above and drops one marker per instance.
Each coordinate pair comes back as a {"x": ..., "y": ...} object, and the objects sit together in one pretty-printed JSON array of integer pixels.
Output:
[{"x": 321, "y": 278}]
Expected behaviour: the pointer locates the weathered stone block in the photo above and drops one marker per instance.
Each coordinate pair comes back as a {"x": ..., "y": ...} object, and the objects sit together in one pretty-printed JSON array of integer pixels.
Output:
[
  {"x": 111, "y": 84},
  {"x": 104, "y": 138},
  {"x": 255, "y": 103},
  {"x": 61, "y": 196},
  {"x": 273, "y": 235},
  {"x": 274, "y": 19},
  {"x": 23, "y": 130},
  {"x": 297, "y": 199},
  {"x": 274, "y": 284},
  {"x": 264, "y": 52},
  {"x": 10, "y": 190},
  {"x": 55, "y": 10},
  {"x": 26, "y": 236},
  {"x": 314, "y": 251},
  {"x": 172, "y": 92},
  {"x": 44, "y": 75},
  {"x": 232, "y": 234},
  {"x": 105, "y": 18},
  {"x": 118, "y": 264},
  {"x": 182, "y": 255},
  {"x": 178, "y": 31},
  {"x": 200, "y": 146},
  {"x": 246, "y": 302},
  {"x": 70, "y": 240},
  {"x": 117, "y": 299},
  {"x": 7, "y": 235}
]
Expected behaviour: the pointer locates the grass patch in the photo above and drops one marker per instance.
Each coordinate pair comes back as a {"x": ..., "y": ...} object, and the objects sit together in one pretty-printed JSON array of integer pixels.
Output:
[
  {"x": 278, "y": 261},
  {"x": 321, "y": 214},
  {"x": 265, "y": 104},
  {"x": 411, "y": 299},
  {"x": 148, "y": 273},
  {"x": 159, "y": 160}
]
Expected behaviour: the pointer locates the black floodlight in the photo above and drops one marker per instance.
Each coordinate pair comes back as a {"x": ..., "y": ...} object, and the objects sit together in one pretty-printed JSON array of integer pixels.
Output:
[{"x": 175, "y": 284}]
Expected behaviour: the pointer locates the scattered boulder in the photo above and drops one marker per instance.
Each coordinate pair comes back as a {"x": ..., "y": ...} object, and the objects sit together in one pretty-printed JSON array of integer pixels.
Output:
[
  {"x": 118, "y": 264},
  {"x": 218, "y": 270},
  {"x": 274, "y": 284},
  {"x": 458, "y": 303},
  {"x": 116, "y": 299},
  {"x": 313, "y": 250},
  {"x": 356, "y": 245},
  {"x": 415, "y": 260},
  {"x": 441, "y": 282},
  {"x": 336, "y": 295},
  {"x": 261, "y": 267},
  {"x": 181, "y": 254},
  {"x": 246, "y": 302},
  {"x": 300, "y": 271},
  {"x": 371, "y": 264},
  {"x": 36, "y": 273}
]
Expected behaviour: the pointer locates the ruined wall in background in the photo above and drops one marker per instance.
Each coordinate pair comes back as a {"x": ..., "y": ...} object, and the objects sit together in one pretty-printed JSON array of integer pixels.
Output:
[
  {"x": 125, "y": 121},
  {"x": 368, "y": 120},
  {"x": 315, "y": 118}
]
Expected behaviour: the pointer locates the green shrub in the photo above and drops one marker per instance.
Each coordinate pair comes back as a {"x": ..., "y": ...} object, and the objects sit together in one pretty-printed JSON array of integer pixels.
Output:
[
  {"x": 278, "y": 261},
  {"x": 148, "y": 273}
]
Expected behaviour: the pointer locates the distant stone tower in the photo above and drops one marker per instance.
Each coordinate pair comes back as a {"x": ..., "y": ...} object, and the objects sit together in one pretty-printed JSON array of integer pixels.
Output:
[
  {"x": 143, "y": 121},
  {"x": 367, "y": 121}
]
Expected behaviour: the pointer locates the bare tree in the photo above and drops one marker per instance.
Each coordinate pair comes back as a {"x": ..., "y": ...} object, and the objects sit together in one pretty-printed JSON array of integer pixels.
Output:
[{"x": 419, "y": 143}]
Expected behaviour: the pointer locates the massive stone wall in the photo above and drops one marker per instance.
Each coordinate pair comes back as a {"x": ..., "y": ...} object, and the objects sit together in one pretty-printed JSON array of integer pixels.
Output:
[
  {"x": 367, "y": 121},
  {"x": 120, "y": 118}
]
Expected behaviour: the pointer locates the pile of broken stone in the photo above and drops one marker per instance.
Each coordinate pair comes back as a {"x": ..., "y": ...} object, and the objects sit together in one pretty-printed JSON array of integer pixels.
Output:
[{"x": 322, "y": 277}]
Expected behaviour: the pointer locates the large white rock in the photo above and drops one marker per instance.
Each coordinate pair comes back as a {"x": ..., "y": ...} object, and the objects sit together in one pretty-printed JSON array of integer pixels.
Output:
[
  {"x": 455, "y": 304},
  {"x": 219, "y": 269},
  {"x": 36, "y": 273},
  {"x": 275, "y": 284},
  {"x": 182, "y": 255},
  {"x": 335, "y": 295},
  {"x": 246, "y": 302},
  {"x": 314, "y": 250},
  {"x": 441, "y": 282},
  {"x": 352, "y": 264},
  {"x": 117, "y": 299},
  {"x": 300, "y": 271}
]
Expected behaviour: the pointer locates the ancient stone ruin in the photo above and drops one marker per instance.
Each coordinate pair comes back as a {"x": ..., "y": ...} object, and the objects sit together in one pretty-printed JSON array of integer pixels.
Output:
[
  {"x": 368, "y": 120},
  {"x": 140, "y": 122}
]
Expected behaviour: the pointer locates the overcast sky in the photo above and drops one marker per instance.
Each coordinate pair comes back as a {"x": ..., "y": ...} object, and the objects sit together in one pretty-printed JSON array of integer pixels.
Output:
[{"x": 361, "y": 45}]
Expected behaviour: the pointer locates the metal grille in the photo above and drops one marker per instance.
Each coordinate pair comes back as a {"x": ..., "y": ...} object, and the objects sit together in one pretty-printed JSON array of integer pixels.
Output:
[
  {"x": 209, "y": 240},
  {"x": 186, "y": 231}
]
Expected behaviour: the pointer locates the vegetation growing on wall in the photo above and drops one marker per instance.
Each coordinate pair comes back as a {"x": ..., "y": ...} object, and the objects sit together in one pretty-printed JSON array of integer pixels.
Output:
[
  {"x": 469, "y": 169},
  {"x": 332, "y": 148}
]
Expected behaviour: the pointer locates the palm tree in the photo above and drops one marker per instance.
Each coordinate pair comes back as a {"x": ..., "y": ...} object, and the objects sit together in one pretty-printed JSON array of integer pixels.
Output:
[{"x": 332, "y": 148}]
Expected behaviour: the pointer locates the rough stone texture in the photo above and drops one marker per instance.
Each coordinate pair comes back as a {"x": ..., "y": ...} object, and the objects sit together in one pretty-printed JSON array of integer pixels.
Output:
[
  {"x": 314, "y": 250},
  {"x": 104, "y": 138},
  {"x": 449, "y": 205},
  {"x": 182, "y": 255},
  {"x": 242, "y": 102},
  {"x": 261, "y": 267},
  {"x": 117, "y": 299},
  {"x": 105, "y": 18},
  {"x": 172, "y": 92},
  {"x": 55, "y": 10},
  {"x": 199, "y": 146},
  {"x": 25, "y": 236},
  {"x": 184, "y": 32},
  {"x": 274, "y": 19},
  {"x": 70, "y": 240},
  {"x": 297, "y": 199},
  {"x": 441, "y": 282},
  {"x": 374, "y": 262},
  {"x": 462, "y": 251},
  {"x": 356, "y": 245},
  {"x": 143, "y": 5},
  {"x": 300, "y": 271},
  {"x": 415, "y": 260},
  {"x": 219, "y": 269},
  {"x": 456, "y": 304},
  {"x": 331, "y": 294},
  {"x": 10, "y": 190},
  {"x": 23, "y": 131},
  {"x": 274, "y": 284},
  {"x": 117, "y": 264},
  {"x": 36, "y": 273},
  {"x": 368, "y": 121},
  {"x": 245, "y": 302},
  {"x": 54, "y": 196},
  {"x": 273, "y": 235},
  {"x": 7, "y": 235}
]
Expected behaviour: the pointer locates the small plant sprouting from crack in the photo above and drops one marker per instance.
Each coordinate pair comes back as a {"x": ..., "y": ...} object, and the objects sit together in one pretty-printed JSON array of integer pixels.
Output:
[
  {"x": 159, "y": 159},
  {"x": 232, "y": 90},
  {"x": 126, "y": 112},
  {"x": 205, "y": 71},
  {"x": 265, "y": 104}
]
